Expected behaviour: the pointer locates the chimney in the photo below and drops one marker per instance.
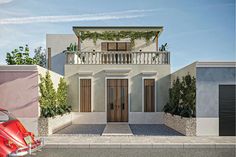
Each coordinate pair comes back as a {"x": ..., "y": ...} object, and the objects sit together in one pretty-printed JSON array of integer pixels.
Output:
[{"x": 49, "y": 59}]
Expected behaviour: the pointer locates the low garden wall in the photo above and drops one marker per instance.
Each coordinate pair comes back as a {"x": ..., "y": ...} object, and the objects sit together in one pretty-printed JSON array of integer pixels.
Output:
[
  {"x": 185, "y": 126},
  {"x": 48, "y": 126}
]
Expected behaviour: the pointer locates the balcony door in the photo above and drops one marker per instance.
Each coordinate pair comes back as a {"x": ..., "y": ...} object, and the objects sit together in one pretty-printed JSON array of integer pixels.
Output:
[
  {"x": 116, "y": 46},
  {"x": 110, "y": 56},
  {"x": 117, "y": 100}
]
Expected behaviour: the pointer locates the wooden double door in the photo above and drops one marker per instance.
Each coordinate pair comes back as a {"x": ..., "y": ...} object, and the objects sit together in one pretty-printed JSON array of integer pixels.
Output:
[{"x": 117, "y": 100}]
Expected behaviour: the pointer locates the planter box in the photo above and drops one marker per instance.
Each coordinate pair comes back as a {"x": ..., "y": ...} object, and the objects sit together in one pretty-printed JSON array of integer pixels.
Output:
[
  {"x": 185, "y": 126},
  {"x": 48, "y": 126}
]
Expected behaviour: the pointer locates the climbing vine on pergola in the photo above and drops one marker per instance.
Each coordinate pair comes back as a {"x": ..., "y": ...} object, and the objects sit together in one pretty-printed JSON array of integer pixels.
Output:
[{"x": 114, "y": 35}]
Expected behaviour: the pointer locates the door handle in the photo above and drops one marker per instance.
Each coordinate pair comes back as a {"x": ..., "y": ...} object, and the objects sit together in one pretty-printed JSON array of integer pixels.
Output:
[
  {"x": 123, "y": 106},
  {"x": 111, "y": 106}
]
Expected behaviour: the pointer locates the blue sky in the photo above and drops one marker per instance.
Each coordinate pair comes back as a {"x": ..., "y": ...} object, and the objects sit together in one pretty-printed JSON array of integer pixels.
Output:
[{"x": 195, "y": 30}]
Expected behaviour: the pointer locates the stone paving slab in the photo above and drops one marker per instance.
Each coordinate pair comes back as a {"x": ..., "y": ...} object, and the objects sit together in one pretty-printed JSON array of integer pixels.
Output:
[{"x": 117, "y": 130}]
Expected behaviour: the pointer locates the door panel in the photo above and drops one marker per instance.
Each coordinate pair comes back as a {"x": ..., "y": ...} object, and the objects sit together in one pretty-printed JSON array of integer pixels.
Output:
[
  {"x": 85, "y": 95},
  {"x": 124, "y": 101},
  {"x": 111, "y": 96},
  {"x": 149, "y": 95},
  {"x": 227, "y": 110},
  {"x": 117, "y": 100}
]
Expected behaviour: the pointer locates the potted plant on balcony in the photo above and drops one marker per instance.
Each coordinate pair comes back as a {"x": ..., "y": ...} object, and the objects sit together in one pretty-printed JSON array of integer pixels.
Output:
[
  {"x": 72, "y": 48},
  {"x": 163, "y": 48}
]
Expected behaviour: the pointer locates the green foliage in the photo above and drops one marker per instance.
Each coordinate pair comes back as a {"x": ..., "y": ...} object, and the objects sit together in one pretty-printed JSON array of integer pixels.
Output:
[
  {"x": 48, "y": 96},
  {"x": 40, "y": 56},
  {"x": 62, "y": 101},
  {"x": 21, "y": 56},
  {"x": 163, "y": 47},
  {"x": 53, "y": 103},
  {"x": 182, "y": 97},
  {"x": 188, "y": 95},
  {"x": 112, "y": 35},
  {"x": 72, "y": 47}
]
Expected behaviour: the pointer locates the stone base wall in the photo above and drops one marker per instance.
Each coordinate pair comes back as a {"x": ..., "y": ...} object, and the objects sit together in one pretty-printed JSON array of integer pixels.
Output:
[
  {"x": 186, "y": 126},
  {"x": 48, "y": 126}
]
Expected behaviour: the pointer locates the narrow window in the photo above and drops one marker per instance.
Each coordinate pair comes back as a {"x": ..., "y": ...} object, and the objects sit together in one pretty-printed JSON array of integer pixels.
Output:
[
  {"x": 85, "y": 95},
  {"x": 149, "y": 95}
]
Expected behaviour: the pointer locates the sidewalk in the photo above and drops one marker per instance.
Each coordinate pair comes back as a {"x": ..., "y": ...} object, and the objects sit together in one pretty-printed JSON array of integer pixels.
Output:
[{"x": 73, "y": 141}]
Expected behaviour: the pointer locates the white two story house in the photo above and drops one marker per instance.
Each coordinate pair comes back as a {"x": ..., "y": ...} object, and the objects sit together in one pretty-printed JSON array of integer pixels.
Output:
[{"x": 115, "y": 74}]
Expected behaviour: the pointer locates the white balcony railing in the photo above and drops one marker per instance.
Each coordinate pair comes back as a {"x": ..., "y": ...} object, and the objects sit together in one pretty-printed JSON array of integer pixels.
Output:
[{"x": 118, "y": 57}]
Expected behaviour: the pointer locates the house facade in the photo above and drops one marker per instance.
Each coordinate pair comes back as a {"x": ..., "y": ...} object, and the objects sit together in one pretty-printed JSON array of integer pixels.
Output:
[
  {"x": 114, "y": 80},
  {"x": 119, "y": 74}
]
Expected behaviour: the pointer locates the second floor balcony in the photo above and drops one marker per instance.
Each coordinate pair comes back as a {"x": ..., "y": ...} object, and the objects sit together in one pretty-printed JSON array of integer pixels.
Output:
[{"x": 117, "y": 57}]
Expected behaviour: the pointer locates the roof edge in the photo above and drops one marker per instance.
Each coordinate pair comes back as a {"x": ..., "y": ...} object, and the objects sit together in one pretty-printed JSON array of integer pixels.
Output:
[
  {"x": 76, "y": 29},
  {"x": 216, "y": 64}
]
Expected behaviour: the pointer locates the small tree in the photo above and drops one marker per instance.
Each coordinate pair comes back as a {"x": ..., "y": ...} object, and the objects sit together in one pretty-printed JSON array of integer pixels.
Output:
[
  {"x": 62, "y": 100},
  {"x": 174, "y": 97},
  {"x": 20, "y": 56},
  {"x": 188, "y": 95},
  {"x": 48, "y": 96},
  {"x": 40, "y": 56}
]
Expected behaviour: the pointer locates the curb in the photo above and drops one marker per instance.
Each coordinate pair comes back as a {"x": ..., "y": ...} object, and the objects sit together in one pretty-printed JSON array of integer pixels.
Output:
[{"x": 142, "y": 145}]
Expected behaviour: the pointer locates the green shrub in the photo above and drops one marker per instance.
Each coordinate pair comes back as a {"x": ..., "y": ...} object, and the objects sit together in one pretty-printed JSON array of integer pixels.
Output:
[
  {"x": 48, "y": 111},
  {"x": 48, "y": 96},
  {"x": 182, "y": 97},
  {"x": 53, "y": 103},
  {"x": 62, "y": 101}
]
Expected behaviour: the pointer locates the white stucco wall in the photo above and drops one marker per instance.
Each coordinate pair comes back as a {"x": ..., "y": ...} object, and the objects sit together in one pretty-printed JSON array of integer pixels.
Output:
[
  {"x": 189, "y": 69},
  {"x": 58, "y": 43},
  {"x": 135, "y": 89}
]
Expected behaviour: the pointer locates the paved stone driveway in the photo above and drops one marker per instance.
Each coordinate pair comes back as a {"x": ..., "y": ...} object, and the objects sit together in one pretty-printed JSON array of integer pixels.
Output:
[{"x": 137, "y": 129}]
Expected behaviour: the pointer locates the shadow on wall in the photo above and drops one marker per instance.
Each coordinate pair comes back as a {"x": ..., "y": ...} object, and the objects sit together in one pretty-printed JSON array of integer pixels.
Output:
[
  {"x": 99, "y": 89},
  {"x": 136, "y": 93},
  {"x": 9, "y": 76},
  {"x": 58, "y": 62},
  {"x": 163, "y": 85},
  {"x": 73, "y": 92},
  {"x": 19, "y": 92}
]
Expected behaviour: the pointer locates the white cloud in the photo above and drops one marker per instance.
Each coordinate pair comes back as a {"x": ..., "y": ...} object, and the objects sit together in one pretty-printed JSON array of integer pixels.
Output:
[
  {"x": 5, "y": 1},
  {"x": 69, "y": 18}
]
